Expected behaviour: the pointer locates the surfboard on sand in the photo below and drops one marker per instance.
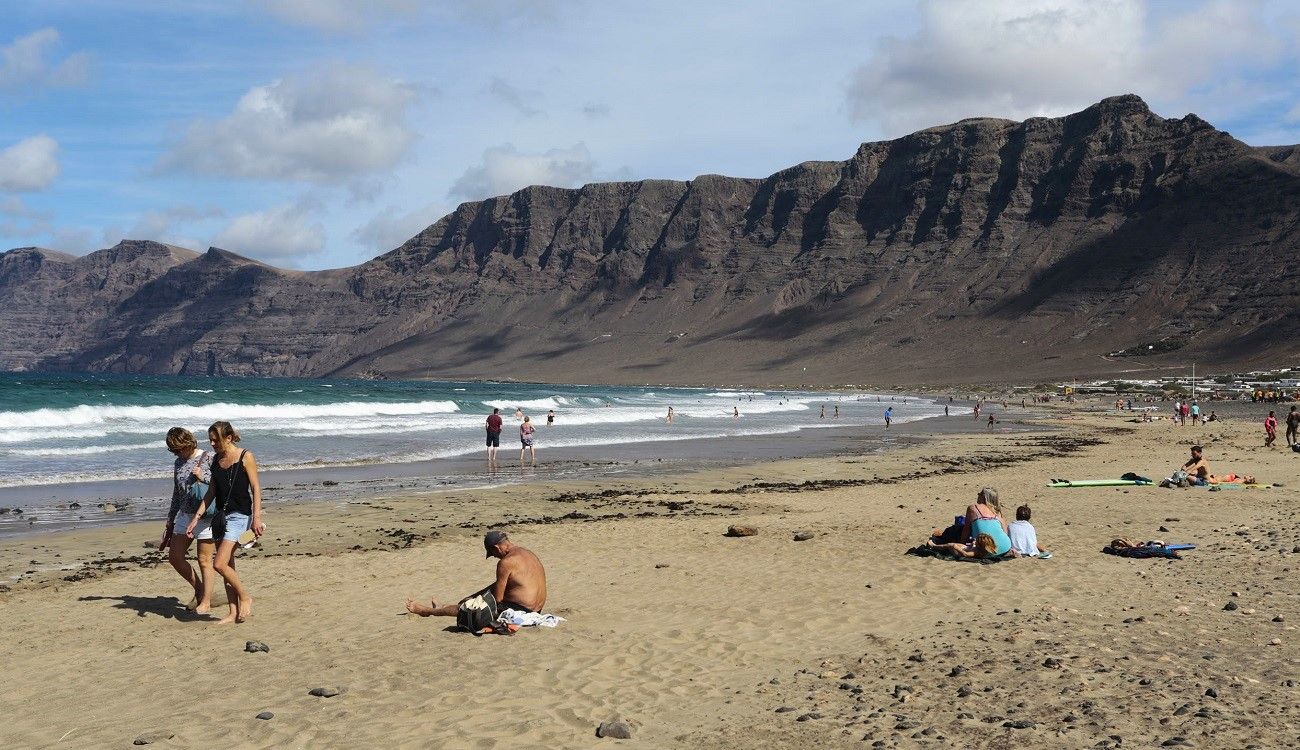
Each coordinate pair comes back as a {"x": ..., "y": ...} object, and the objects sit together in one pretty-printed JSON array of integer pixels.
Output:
[{"x": 1097, "y": 483}]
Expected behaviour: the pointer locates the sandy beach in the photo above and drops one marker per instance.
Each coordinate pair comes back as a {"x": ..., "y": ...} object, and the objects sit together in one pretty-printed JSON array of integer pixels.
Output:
[{"x": 695, "y": 639}]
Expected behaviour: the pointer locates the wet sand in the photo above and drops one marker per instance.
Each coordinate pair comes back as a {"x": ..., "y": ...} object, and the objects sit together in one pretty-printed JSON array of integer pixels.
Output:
[{"x": 700, "y": 640}]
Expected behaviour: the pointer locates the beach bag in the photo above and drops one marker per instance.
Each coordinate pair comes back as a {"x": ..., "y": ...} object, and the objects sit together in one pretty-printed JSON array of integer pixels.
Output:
[{"x": 477, "y": 613}]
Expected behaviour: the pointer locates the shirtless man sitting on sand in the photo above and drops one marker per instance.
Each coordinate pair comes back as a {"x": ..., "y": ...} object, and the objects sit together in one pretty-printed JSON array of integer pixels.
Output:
[
  {"x": 1197, "y": 466},
  {"x": 520, "y": 584}
]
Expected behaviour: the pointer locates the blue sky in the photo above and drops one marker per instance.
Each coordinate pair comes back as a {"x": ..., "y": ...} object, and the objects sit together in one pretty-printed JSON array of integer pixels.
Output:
[{"x": 319, "y": 133}]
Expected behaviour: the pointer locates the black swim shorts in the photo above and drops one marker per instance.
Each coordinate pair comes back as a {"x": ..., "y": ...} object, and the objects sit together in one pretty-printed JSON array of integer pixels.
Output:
[{"x": 493, "y": 439}]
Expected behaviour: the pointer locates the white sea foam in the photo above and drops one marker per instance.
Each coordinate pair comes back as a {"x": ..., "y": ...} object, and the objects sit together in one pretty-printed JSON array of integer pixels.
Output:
[
  {"x": 550, "y": 402},
  {"x": 84, "y": 451},
  {"x": 100, "y": 414}
]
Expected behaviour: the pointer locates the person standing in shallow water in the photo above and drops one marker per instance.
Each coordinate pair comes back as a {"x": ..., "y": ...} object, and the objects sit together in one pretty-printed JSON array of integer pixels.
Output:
[
  {"x": 526, "y": 436},
  {"x": 493, "y": 435},
  {"x": 236, "y": 490},
  {"x": 889, "y": 416},
  {"x": 192, "y": 472}
]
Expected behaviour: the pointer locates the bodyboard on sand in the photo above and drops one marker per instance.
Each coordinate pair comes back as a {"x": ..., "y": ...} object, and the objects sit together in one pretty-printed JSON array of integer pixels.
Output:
[
  {"x": 1169, "y": 551},
  {"x": 1096, "y": 483}
]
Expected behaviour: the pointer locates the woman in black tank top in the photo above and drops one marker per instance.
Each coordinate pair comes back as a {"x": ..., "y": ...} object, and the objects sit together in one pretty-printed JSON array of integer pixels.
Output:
[{"x": 238, "y": 495}]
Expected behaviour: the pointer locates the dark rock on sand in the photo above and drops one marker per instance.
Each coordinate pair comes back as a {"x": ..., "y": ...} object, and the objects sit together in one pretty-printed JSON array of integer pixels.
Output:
[
  {"x": 741, "y": 530},
  {"x": 803, "y": 536},
  {"x": 253, "y": 647},
  {"x": 265, "y": 716},
  {"x": 152, "y": 737},
  {"x": 785, "y": 709},
  {"x": 811, "y": 716},
  {"x": 615, "y": 729},
  {"x": 1211, "y": 693},
  {"x": 325, "y": 692},
  {"x": 1019, "y": 724},
  {"x": 1230, "y": 607}
]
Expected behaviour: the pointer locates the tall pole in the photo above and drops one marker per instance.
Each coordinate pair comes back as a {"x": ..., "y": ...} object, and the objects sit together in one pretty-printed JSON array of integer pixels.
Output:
[{"x": 1193, "y": 381}]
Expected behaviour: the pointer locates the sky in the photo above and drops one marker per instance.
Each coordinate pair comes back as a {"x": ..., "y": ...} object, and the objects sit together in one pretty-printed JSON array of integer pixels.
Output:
[{"x": 320, "y": 133}]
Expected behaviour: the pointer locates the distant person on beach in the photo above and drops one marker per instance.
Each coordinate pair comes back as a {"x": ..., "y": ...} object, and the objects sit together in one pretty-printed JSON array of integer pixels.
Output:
[
  {"x": 1186, "y": 409},
  {"x": 1292, "y": 426},
  {"x": 526, "y": 431},
  {"x": 823, "y": 411},
  {"x": 984, "y": 516},
  {"x": 1270, "y": 429},
  {"x": 991, "y": 421},
  {"x": 519, "y": 412},
  {"x": 493, "y": 435},
  {"x": 191, "y": 476},
  {"x": 889, "y": 416},
  {"x": 1196, "y": 414},
  {"x": 670, "y": 415},
  {"x": 550, "y": 417},
  {"x": 1024, "y": 538},
  {"x": 520, "y": 583},
  {"x": 735, "y": 412},
  {"x": 237, "y": 492},
  {"x": 837, "y": 411},
  {"x": 945, "y": 410}
]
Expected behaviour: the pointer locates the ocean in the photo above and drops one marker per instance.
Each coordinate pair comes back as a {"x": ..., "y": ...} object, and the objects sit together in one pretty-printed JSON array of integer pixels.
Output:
[{"x": 58, "y": 431}]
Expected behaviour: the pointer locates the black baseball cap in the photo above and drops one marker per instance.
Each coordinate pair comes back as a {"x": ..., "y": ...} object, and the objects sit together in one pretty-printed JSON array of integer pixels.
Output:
[{"x": 492, "y": 539}]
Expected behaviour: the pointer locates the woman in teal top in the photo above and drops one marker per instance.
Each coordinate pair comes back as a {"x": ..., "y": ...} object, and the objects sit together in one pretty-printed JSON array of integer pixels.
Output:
[{"x": 984, "y": 516}]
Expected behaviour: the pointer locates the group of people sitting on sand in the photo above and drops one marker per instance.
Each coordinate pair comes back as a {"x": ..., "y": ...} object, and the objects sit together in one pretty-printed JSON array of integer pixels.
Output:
[
  {"x": 216, "y": 500},
  {"x": 984, "y": 533}
]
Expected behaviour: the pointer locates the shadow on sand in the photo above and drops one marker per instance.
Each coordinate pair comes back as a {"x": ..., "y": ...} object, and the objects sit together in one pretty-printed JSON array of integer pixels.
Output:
[{"x": 164, "y": 606}]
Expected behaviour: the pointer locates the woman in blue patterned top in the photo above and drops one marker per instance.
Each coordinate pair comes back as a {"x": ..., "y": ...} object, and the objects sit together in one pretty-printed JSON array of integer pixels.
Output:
[{"x": 193, "y": 471}]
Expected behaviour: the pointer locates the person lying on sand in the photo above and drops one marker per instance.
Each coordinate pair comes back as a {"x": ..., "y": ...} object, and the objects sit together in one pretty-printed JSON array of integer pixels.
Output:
[
  {"x": 984, "y": 546},
  {"x": 520, "y": 584}
]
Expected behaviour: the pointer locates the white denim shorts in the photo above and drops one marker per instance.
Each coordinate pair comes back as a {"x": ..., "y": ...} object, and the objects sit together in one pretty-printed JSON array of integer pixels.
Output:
[{"x": 202, "y": 531}]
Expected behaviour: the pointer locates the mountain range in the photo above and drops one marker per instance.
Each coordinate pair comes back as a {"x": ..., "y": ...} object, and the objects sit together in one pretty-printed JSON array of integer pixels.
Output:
[{"x": 1109, "y": 241}]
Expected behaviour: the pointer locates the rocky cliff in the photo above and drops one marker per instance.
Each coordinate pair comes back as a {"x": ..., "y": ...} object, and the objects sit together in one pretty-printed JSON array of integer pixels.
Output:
[{"x": 982, "y": 250}]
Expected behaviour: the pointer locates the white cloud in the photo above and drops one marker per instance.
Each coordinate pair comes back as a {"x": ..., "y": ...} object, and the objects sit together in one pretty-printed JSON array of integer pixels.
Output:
[
  {"x": 29, "y": 165},
  {"x": 282, "y": 233},
  {"x": 162, "y": 225},
  {"x": 25, "y": 63},
  {"x": 522, "y": 101},
  {"x": 505, "y": 170},
  {"x": 331, "y": 127},
  {"x": 339, "y": 16},
  {"x": 392, "y": 227},
  {"x": 1023, "y": 58}
]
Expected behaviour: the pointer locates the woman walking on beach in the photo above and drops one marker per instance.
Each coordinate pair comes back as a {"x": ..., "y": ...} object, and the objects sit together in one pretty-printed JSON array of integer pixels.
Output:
[
  {"x": 191, "y": 475},
  {"x": 1270, "y": 429},
  {"x": 238, "y": 494},
  {"x": 526, "y": 434}
]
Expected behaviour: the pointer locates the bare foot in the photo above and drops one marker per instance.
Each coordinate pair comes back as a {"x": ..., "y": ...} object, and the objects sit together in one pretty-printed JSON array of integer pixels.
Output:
[
  {"x": 229, "y": 618},
  {"x": 417, "y": 608},
  {"x": 203, "y": 609},
  {"x": 193, "y": 603},
  {"x": 245, "y": 610}
]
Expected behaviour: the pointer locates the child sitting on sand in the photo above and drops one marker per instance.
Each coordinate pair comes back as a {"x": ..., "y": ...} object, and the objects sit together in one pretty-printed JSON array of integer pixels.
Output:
[
  {"x": 984, "y": 546},
  {"x": 1024, "y": 538}
]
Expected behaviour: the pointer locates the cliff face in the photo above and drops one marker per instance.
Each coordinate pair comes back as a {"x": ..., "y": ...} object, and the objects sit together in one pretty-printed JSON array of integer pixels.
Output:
[{"x": 982, "y": 250}]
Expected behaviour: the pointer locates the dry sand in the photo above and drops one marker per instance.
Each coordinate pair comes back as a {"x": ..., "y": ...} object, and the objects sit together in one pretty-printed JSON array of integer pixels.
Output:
[{"x": 699, "y": 640}]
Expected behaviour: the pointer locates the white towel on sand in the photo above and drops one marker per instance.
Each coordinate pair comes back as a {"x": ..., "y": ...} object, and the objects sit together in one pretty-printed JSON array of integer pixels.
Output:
[{"x": 528, "y": 619}]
